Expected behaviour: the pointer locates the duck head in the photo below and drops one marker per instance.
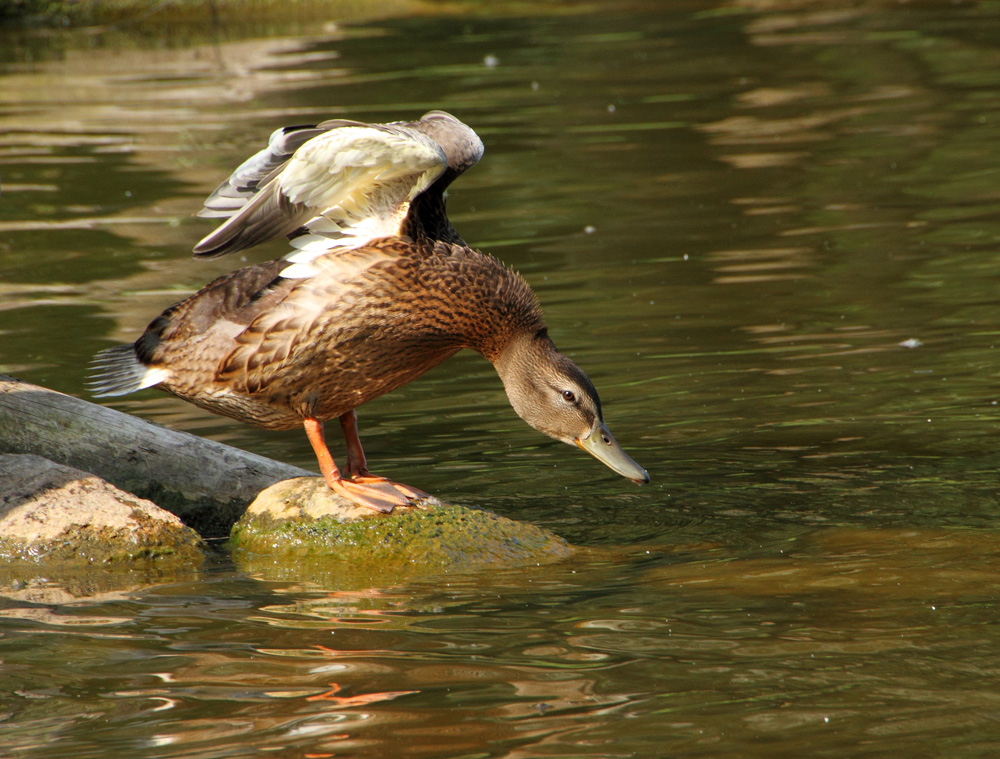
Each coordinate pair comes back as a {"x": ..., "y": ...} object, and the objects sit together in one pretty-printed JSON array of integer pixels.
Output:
[
  {"x": 460, "y": 144},
  {"x": 554, "y": 396}
]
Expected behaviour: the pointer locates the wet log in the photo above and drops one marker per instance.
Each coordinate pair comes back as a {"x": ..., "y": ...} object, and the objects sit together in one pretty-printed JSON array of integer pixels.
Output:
[{"x": 207, "y": 484}]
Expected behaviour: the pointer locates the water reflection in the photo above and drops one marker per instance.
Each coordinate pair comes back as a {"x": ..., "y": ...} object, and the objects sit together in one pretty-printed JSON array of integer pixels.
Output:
[{"x": 858, "y": 631}]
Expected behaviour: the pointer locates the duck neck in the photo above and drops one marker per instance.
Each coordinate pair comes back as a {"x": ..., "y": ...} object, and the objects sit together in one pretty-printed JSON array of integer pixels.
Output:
[
  {"x": 519, "y": 359},
  {"x": 513, "y": 361},
  {"x": 509, "y": 329},
  {"x": 515, "y": 353},
  {"x": 427, "y": 218}
]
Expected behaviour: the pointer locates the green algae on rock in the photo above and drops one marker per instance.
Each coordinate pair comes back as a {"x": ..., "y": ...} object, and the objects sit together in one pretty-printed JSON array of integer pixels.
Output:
[
  {"x": 303, "y": 520},
  {"x": 52, "y": 514}
]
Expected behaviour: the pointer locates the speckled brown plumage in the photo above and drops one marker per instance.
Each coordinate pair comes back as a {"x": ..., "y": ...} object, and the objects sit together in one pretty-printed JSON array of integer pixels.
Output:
[
  {"x": 270, "y": 351},
  {"x": 367, "y": 305}
]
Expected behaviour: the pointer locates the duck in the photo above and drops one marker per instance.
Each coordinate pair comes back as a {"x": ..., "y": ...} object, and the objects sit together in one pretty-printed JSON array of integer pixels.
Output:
[{"x": 378, "y": 289}]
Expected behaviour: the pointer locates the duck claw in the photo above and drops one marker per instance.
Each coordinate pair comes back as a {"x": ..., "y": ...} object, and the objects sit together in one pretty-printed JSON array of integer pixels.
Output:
[
  {"x": 410, "y": 493},
  {"x": 377, "y": 493},
  {"x": 370, "y": 497}
]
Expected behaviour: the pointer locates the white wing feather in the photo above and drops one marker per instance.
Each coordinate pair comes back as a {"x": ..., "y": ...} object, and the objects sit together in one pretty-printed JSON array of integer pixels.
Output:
[{"x": 346, "y": 186}]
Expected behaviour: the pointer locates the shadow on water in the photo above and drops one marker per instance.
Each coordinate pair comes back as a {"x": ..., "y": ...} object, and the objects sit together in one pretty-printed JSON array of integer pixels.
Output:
[{"x": 769, "y": 234}]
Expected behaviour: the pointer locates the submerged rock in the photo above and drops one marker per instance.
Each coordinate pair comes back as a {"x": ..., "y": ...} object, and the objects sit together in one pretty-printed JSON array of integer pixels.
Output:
[
  {"x": 50, "y": 513},
  {"x": 302, "y": 520}
]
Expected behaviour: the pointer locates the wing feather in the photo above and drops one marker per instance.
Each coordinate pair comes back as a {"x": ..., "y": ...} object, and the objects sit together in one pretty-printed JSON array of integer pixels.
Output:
[
  {"x": 230, "y": 196},
  {"x": 348, "y": 175},
  {"x": 310, "y": 319}
]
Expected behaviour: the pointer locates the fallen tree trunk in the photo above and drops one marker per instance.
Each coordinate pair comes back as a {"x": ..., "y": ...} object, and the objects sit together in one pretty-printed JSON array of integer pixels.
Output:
[{"x": 207, "y": 484}]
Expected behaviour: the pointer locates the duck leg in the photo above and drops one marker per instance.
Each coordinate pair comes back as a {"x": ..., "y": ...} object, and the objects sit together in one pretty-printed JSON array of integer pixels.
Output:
[
  {"x": 357, "y": 465},
  {"x": 371, "y": 496}
]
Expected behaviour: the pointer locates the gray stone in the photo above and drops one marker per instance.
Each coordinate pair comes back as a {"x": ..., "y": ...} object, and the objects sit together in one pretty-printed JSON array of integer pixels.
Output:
[
  {"x": 54, "y": 513},
  {"x": 301, "y": 527}
]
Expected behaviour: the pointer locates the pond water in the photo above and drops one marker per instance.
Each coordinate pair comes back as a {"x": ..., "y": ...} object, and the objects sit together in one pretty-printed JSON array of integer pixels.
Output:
[{"x": 770, "y": 232}]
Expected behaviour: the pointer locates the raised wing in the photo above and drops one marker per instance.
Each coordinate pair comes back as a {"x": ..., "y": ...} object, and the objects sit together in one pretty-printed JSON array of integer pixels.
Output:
[
  {"x": 345, "y": 183},
  {"x": 230, "y": 196}
]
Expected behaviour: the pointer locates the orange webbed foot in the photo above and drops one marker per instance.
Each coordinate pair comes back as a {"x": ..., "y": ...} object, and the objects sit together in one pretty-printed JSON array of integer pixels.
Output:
[
  {"x": 359, "y": 486},
  {"x": 383, "y": 500},
  {"x": 376, "y": 492},
  {"x": 384, "y": 484}
]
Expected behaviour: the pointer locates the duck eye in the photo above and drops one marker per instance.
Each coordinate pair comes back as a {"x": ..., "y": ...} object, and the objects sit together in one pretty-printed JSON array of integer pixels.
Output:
[{"x": 568, "y": 396}]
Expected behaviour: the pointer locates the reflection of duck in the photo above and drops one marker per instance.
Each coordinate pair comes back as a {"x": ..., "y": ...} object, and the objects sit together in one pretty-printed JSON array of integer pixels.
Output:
[{"x": 379, "y": 290}]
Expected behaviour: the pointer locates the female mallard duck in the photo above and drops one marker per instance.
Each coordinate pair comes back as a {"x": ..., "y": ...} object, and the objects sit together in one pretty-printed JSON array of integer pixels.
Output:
[{"x": 379, "y": 290}]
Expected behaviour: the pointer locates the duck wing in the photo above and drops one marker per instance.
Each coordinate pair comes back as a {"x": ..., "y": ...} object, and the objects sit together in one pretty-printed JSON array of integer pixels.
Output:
[
  {"x": 345, "y": 183},
  {"x": 182, "y": 345},
  {"x": 316, "y": 316},
  {"x": 237, "y": 189}
]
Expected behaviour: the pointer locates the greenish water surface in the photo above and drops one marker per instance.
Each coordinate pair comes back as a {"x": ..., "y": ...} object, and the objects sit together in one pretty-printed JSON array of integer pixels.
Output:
[{"x": 769, "y": 233}]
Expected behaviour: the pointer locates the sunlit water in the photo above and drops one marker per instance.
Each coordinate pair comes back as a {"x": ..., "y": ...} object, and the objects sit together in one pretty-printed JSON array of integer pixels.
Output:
[{"x": 770, "y": 237}]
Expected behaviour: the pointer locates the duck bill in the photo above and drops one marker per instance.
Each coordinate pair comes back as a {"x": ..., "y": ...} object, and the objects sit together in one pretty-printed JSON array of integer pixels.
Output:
[{"x": 600, "y": 444}]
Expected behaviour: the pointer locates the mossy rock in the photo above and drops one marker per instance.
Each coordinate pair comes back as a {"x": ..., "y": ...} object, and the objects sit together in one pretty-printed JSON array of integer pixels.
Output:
[
  {"x": 52, "y": 514},
  {"x": 302, "y": 522}
]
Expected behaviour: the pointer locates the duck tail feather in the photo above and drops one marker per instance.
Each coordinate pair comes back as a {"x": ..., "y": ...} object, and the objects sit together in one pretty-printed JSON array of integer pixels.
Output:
[{"x": 118, "y": 371}]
